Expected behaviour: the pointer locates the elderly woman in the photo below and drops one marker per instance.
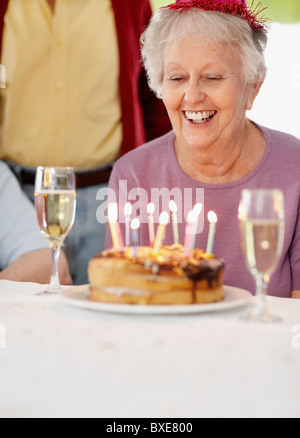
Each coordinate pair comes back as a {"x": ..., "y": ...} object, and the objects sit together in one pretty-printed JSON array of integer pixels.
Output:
[{"x": 205, "y": 59}]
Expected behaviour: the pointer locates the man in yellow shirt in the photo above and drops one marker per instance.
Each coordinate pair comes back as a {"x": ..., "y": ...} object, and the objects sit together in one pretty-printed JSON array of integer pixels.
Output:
[{"x": 75, "y": 95}]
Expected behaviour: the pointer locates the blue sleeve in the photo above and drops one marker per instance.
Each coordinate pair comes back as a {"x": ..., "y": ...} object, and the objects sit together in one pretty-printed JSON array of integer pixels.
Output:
[{"x": 19, "y": 232}]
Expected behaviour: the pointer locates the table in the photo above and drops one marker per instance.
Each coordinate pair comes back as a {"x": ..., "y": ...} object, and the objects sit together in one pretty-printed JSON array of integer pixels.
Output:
[{"x": 60, "y": 361}]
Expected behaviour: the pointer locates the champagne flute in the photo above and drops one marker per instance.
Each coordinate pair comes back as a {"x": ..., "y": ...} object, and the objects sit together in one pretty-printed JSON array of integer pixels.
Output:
[
  {"x": 261, "y": 219},
  {"x": 55, "y": 204}
]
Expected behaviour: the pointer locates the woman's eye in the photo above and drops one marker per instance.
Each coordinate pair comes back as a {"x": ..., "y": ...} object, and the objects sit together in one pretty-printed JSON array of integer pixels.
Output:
[
  {"x": 214, "y": 78},
  {"x": 176, "y": 79}
]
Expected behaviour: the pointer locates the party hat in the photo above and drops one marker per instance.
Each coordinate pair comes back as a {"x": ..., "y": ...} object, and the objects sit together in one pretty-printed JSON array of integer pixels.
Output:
[{"x": 239, "y": 8}]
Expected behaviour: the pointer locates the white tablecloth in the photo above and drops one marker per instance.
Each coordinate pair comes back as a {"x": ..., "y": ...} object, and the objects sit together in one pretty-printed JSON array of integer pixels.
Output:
[{"x": 60, "y": 361}]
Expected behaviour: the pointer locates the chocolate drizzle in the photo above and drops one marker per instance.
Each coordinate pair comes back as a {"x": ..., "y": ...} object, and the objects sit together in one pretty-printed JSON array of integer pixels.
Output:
[{"x": 207, "y": 269}]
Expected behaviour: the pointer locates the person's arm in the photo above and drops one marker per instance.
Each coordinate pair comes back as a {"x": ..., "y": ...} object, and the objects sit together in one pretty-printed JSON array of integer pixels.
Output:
[
  {"x": 24, "y": 253},
  {"x": 35, "y": 266},
  {"x": 295, "y": 294}
]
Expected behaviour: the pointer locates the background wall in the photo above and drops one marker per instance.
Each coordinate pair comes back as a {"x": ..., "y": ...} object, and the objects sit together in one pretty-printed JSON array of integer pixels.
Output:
[{"x": 277, "y": 105}]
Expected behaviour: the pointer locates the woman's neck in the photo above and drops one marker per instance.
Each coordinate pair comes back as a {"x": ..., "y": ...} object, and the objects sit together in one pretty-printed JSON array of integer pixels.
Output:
[{"x": 224, "y": 162}]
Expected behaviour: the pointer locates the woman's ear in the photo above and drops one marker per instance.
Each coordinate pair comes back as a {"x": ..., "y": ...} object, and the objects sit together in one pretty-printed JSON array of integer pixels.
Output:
[{"x": 253, "y": 91}]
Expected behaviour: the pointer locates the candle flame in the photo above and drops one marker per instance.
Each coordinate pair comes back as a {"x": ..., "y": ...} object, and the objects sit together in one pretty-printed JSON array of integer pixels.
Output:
[
  {"x": 164, "y": 218},
  {"x": 112, "y": 212},
  {"x": 127, "y": 209},
  {"x": 135, "y": 224},
  {"x": 212, "y": 217},
  {"x": 242, "y": 212},
  {"x": 192, "y": 217},
  {"x": 197, "y": 208},
  {"x": 173, "y": 206},
  {"x": 150, "y": 208}
]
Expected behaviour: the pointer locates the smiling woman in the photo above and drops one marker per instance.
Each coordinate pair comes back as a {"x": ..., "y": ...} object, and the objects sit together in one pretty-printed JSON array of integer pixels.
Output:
[
  {"x": 206, "y": 98},
  {"x": 206, "y": 61},
  {"x": 282, "y": 61},
  {"x": 208, "y": 77}
]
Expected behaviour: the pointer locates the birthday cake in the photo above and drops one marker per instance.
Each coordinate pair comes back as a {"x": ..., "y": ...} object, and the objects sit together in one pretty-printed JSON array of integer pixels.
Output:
[{"x": 164, "y": 277}]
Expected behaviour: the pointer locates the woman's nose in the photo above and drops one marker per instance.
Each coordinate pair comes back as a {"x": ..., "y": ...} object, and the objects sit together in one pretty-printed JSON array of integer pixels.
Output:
[{"x": 194, "y": 92}]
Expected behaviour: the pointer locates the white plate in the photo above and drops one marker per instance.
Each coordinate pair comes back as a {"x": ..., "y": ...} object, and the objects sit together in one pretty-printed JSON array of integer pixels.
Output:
[{"x": 79, "y": 297}]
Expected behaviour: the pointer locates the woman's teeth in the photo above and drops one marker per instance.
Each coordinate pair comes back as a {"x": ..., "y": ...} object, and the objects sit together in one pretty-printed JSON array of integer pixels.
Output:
[{"x": 200, "y": 116}]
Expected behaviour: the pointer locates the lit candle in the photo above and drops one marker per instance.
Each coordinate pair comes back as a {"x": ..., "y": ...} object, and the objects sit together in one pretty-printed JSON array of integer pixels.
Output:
[
  {"x": 197, "y": 210},
  {"x": 150, "y": 211},
  {"x": 212, "y": 218},
  {"x": 127, "y": 213},
  {"x": 115, "y": 226},
  {"x": 161, "y": 231},
  {"x": 189, "y": 232},
  {"x": 135, "y": 225},
  {"x": 173, "y": 208}
]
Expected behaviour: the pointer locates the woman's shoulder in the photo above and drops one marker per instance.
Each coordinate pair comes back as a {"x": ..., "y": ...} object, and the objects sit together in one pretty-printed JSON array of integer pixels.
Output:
[
  {"x": 283, "y": 153},
  {"x": 280, "y": 138}
]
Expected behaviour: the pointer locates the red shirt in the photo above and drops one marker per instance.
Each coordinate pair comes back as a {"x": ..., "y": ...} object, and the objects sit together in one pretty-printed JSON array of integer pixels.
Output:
[{"x": 143, "y": 115}]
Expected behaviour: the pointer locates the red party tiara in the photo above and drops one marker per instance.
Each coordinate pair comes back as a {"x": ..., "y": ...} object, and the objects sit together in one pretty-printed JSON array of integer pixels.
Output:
[{"x": 239, "y": 8}]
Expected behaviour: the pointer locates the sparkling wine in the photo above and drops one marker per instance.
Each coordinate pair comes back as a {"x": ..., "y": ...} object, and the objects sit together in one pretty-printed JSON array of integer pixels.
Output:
[
  {"x": 55, "y": 213},
  {"x": 262, "y": 241}
]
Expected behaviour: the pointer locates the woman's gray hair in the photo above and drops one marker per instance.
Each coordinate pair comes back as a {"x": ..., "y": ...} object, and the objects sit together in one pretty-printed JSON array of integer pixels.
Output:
[{"x": 169, "y": 26}]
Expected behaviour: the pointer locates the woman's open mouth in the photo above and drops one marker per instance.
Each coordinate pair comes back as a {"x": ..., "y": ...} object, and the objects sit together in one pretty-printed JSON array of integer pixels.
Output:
[{"x": 199, "y": 116}]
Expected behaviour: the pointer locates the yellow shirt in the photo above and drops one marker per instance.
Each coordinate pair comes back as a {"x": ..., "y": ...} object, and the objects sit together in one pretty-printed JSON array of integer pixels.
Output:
[{"x": 61, "y": 103}]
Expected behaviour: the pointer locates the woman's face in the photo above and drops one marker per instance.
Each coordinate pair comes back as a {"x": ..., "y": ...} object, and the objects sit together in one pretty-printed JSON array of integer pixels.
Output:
[{"x": 204, "y": 92}]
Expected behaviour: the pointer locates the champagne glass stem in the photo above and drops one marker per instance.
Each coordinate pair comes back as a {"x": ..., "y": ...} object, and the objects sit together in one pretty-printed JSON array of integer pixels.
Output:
[
  {"x": 54, "y": 283},
  {"x": 260, "y": 313},
  {"x": 261, "y": 288}
]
